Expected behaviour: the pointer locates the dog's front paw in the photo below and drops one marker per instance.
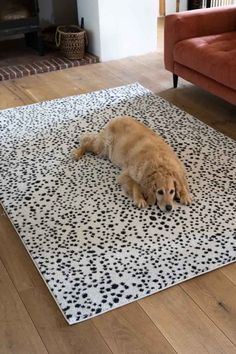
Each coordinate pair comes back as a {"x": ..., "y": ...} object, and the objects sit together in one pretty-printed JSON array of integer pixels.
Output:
[
  {"x": 185, "y": 199},
  {"x": 77, "y": 154},
  {"x": 141, "y": 203}
]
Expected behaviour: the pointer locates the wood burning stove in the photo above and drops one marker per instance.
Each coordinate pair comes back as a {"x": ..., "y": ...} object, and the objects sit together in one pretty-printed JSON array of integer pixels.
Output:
[{"x": 21, "y": 16}]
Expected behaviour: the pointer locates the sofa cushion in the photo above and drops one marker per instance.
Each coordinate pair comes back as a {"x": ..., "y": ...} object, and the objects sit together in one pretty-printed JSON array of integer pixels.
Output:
[{"x": 213, "y": 56}]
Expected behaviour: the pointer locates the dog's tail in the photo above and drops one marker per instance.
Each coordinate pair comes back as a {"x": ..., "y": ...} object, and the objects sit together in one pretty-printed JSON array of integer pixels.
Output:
[
  {"x": 86, "y": 143},
  {"x": 87, "y": 138}
]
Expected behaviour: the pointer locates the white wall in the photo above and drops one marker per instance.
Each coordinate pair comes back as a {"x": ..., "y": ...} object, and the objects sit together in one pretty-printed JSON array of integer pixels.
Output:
[
  {"x": 128, "y": 27},
  {"x": 89, "y": 9},
  {"x": 120, "y": 28},
  {"x": 171, "y": 6}
]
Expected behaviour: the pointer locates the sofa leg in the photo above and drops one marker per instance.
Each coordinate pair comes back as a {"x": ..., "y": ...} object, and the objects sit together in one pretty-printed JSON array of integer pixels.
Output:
[{"x": 175, "y": 80}]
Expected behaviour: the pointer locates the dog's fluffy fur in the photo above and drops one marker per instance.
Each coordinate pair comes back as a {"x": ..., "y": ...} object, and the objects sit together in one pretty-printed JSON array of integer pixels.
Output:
[{"x": 151, "y": 171}]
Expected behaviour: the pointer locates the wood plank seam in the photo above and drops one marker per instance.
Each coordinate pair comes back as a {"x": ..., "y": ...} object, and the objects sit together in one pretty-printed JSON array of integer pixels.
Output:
[
  {"x": 205, "y": 313},
  {"x": 23, "y": 305},
  {"x": 227, "y": 276},
  {"x": 155, "y": 323}
]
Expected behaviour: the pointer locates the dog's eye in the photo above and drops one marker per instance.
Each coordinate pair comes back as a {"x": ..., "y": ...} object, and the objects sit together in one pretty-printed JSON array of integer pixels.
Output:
[
  {"x": 160, "y": 192},
  {"x": 171, "y": 191}
]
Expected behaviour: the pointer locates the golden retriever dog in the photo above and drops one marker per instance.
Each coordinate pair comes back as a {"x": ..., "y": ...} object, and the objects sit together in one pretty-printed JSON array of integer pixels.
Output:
[{"x": 151, "y": 171}]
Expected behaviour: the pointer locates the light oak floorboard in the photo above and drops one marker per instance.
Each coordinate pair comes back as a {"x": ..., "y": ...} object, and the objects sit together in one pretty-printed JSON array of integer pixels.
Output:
[
  {"x": 230, "y": 272},
  {"x": 7, "y": 98},
  {"x": 213, "y": 294},
  {"x": 17, "y": 331},
  {"x": 129, "y": 330},
  {"x": 58, "y": 336},
  {"x": 184, "y": 324},
  {"x": 14, "y": 256}
]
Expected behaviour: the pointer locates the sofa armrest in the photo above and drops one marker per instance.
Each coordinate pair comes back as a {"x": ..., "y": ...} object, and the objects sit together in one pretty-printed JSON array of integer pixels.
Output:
[{"x": 195, "y": 23}]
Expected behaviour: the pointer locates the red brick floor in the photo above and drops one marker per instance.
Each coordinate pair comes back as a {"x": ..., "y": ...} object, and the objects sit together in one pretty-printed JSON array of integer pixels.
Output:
[{"x": 17, "y": 60}]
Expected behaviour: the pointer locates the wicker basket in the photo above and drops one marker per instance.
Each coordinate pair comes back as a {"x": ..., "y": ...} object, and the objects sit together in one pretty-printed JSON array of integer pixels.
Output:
[{"x": 72, "y": 41}]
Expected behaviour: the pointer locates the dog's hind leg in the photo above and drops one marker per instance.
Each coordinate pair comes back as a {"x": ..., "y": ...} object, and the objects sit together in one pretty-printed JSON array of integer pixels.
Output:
[
  {"x": 89, "y": 143},
  {"x": 132, "y": 188}
]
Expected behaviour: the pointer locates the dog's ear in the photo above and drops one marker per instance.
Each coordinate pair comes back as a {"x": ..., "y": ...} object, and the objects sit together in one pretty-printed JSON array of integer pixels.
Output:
[{"x": 150, "y": 183}]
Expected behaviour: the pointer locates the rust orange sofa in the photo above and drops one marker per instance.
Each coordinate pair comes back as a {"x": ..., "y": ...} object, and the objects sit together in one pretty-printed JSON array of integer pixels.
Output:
[{"x": 200, "y": 47}]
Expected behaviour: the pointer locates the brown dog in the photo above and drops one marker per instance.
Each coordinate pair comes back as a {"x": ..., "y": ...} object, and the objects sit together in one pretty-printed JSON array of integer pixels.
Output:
[{"x": 151, "y": 171}]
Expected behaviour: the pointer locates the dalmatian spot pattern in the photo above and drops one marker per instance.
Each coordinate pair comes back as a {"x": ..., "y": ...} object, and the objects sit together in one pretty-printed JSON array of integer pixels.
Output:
[{"x": 95, "y": 250}]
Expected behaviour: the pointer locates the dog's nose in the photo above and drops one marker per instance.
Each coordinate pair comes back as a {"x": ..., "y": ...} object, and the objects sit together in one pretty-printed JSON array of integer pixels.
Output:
[{"x": 168, "y": 207}]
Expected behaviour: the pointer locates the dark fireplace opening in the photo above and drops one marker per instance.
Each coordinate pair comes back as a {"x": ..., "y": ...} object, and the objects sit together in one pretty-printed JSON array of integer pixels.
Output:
[{"x": 21, "y": 17}]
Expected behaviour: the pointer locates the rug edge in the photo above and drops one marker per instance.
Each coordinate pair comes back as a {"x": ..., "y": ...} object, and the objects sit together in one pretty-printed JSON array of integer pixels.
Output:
[
  {"x": 153, "y": 293},
  {"x": 136, "y": 83},
  {"x": 34, "y": 263}
]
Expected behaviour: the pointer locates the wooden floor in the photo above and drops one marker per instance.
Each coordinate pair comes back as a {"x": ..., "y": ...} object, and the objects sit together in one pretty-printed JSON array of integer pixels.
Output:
[{"x": 197, "y": 316}]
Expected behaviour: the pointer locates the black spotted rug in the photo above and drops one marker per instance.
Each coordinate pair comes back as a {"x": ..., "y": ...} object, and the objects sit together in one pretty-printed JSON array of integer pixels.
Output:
[{"x": 94, "y": 249}]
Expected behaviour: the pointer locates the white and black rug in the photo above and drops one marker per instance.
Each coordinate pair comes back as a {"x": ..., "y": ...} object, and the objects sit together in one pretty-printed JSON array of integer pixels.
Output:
[{"x": 95, "y": 250}]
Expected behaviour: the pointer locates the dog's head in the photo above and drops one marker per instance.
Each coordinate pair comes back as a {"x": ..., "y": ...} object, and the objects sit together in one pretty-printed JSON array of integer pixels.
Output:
[
  {"x": 165, "y": 192},
  {"x": 162, "y": 186}
]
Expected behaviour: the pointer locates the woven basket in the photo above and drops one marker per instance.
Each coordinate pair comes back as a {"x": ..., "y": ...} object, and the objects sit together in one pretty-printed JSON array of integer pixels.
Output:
[{"x": 72, "y": 41}]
